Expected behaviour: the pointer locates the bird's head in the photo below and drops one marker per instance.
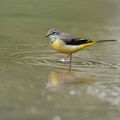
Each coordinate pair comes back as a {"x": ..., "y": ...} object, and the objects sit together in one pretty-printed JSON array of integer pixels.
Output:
[{"x": 53, "y": 32}]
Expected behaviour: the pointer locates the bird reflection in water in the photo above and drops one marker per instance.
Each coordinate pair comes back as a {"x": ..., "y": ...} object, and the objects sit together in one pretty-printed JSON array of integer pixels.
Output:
[{"x": 64, "y": 76}]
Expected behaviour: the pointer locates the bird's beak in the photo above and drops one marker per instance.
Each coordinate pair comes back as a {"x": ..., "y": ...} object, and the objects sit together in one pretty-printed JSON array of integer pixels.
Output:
[{"x": 47, "y": 35}]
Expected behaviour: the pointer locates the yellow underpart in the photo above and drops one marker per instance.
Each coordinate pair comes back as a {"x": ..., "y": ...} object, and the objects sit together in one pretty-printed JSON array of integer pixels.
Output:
[{"x": 60, "y": 46}]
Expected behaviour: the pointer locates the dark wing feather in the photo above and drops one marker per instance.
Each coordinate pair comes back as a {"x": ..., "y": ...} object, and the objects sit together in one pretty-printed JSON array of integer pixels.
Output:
[
  {"x": 78, "y": 41},
  {"x": 71, "y": 40}
]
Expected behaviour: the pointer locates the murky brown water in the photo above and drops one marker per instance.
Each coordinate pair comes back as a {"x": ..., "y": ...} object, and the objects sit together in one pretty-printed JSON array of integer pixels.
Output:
[{"x": 34, "y": 84}]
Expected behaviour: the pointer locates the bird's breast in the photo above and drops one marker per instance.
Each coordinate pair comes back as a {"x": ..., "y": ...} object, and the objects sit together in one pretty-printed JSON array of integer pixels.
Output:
[{"x": 60, "y": 46}]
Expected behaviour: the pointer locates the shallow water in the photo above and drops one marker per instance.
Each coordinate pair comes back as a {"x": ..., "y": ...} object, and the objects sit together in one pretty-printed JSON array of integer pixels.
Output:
[{"x": 34, "y": 84}]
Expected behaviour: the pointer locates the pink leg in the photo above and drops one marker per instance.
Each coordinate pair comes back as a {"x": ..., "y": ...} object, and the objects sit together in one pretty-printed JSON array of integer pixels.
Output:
[
  {"x": 66, "y": 60},
  {"x": 70, "y": 59}
]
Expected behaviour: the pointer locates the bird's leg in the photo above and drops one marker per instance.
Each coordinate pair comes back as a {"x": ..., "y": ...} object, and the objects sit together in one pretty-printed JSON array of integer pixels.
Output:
[
  {"x": 70, "y": 59},
  {"x": 65, "y": 59}
]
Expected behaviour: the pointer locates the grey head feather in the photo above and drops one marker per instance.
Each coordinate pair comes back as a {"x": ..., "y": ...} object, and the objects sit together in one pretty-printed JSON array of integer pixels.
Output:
[
  {"x": 53, "y": 31},
  {"x": 53, "y": 34}
]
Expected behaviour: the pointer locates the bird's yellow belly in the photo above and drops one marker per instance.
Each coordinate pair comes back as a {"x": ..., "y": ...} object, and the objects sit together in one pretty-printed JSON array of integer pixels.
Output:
[{"x": 60, "y": 46}]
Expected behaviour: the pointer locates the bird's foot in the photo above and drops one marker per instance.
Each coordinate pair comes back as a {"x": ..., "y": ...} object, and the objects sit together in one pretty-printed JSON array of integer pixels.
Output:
[{"x": 64, "y": 60}]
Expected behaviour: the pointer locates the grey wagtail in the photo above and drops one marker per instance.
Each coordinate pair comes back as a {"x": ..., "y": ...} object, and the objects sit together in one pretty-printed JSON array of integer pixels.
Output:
[{"x": 68, "y": 44}]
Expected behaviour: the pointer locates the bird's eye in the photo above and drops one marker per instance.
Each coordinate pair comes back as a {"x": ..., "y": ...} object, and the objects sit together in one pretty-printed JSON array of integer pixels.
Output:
[{"x": 54, "y": 32}]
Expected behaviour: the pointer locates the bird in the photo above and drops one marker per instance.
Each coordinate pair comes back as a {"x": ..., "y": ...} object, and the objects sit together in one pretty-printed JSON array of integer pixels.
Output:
[{"x": 69, "y": 44}]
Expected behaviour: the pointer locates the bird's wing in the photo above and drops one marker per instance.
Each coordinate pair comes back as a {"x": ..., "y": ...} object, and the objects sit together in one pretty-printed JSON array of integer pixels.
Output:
[{"x": 71, "y": 40}]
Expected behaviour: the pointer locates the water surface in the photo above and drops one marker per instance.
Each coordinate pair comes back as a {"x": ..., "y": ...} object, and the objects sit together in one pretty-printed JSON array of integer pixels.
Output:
[{"x": 34, "y": 84}]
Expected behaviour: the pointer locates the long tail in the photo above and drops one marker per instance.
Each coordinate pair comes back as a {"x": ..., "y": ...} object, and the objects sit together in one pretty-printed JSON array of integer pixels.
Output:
[{"x": 98, "y": 41}]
